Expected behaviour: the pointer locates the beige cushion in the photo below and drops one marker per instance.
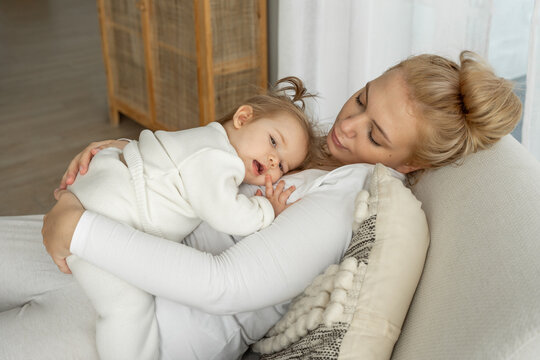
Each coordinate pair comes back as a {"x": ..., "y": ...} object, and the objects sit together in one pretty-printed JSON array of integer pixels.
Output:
[
  {"x": 355, "y": 310},
  {"x": 479, "y": 296}
]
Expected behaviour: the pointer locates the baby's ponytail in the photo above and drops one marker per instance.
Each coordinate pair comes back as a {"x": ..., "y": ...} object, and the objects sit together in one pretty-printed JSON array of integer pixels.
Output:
[{"x": 286, "y": 96}]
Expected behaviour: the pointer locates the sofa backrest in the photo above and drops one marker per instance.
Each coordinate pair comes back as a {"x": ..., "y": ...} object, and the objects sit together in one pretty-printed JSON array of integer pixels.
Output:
[{"x": 479, "y": 295}]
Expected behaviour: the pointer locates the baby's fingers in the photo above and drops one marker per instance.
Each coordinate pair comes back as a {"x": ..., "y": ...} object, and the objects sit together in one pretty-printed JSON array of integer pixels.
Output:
[
  {"x": 279, "y": 187},
  {"x": 268, "y": 185},
  {"x": 284, "y": 196}
]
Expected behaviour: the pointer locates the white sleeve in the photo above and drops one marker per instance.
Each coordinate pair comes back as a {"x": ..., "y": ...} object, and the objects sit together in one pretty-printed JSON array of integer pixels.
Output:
[
  {"x": 265, "y": 268},
  {"x": 211, "y": 179}
]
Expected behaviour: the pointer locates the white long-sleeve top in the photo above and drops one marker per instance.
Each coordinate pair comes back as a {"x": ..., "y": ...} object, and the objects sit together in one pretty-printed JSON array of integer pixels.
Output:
[
  {"x": 247, "y": 284},
  {"x": 183, "y": 177}
]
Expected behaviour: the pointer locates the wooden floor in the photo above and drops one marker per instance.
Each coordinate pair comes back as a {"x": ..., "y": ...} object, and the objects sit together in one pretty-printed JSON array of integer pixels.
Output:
[{"x": 53, "y": 97}]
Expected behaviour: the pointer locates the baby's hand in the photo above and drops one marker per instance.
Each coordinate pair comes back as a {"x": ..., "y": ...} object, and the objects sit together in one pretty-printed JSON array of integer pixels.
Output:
[{"x": 277, "y": 197}]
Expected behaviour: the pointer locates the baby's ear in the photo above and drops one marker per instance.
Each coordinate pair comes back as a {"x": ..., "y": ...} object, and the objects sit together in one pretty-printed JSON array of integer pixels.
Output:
[{"x": 242, "y": 116}]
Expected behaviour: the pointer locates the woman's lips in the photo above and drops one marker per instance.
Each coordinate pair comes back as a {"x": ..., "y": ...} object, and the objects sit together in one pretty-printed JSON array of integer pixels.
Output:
[{"x": 336, "y": 140}]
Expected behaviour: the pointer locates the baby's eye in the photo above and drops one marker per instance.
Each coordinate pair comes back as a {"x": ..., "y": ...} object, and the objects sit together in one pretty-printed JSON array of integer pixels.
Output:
[
  {"x": 281, "y": 167},
  {"x": 272, "y": 141}
]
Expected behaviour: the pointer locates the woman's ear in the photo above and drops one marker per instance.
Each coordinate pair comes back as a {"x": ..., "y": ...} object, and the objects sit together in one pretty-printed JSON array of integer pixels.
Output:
[
  {"x": 243, "y": 115},
  {"x": 407, "y": 168}
]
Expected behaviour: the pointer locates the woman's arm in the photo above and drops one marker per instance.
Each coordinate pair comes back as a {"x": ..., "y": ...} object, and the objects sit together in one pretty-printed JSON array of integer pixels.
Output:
[{"x": 263, "y": 269}]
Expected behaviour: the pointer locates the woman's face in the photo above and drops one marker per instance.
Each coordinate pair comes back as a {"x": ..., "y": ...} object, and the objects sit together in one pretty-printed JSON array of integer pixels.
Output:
[{"x": 376, "y": 125}]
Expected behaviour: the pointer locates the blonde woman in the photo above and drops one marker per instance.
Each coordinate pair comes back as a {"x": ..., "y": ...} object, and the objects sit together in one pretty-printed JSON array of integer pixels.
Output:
[{"x": 211, "y": 303}]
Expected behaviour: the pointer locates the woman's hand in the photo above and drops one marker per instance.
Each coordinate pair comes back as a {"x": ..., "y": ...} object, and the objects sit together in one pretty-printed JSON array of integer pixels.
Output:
[
  {"x": 59, "y": 225},
  {"x": 278, "y": 197},
  {"x": 80, "y": 162}
]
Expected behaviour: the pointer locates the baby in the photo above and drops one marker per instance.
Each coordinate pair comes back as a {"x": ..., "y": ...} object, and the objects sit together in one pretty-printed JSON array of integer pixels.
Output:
[{"x": 166, "y": 183}]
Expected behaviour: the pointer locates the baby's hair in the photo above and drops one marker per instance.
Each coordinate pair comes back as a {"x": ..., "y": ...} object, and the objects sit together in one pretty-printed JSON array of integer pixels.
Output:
[
  {"x": 462, "y": 108},
  {"x": 286, "y": 96}
]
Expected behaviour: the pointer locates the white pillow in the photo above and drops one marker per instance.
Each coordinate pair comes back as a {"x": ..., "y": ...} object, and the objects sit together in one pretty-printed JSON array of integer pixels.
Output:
[{"x": 356, "y": 309}]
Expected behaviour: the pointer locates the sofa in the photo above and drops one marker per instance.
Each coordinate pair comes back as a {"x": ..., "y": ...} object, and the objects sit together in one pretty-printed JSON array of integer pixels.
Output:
[{"x": 479, "y": 294}]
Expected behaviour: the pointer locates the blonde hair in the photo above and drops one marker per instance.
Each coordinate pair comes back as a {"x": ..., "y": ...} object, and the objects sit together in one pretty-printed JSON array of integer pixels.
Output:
[
  {"x": 286, "y": 96},
  {"x": 462, "y": 108}
]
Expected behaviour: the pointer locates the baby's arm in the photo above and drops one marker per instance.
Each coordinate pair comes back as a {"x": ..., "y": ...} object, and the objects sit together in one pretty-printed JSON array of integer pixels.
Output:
[{"x": 211, "y": 179}]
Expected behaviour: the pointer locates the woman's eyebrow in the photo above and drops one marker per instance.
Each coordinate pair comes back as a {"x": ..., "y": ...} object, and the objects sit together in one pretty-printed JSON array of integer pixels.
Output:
[
  {"x": 373, "y": 120},
  {"x": 367, "y": 92}
]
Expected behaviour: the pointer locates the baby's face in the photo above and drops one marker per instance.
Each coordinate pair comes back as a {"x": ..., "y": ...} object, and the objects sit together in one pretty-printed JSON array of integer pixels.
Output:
[{"x": 271, "y": 145}]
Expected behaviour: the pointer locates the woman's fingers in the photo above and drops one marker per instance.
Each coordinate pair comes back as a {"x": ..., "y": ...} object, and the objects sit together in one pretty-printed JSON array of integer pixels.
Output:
[{"x": 62, "y": 265}]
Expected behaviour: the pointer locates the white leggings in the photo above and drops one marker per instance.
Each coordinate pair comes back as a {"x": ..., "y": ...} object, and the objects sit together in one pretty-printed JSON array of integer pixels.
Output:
[
  {"x": 44, "y": 314},
  {"x": 126, "y": 327}
]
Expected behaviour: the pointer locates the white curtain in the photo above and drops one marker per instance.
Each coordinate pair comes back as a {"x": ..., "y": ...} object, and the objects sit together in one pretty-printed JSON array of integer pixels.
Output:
[
  {"x": 531, "y": 118},
  {"x": 336, "y": 46}
]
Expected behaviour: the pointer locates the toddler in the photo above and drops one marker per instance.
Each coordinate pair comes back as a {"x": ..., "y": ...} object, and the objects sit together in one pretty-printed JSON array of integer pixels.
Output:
[{"x": 166, "y": 183}]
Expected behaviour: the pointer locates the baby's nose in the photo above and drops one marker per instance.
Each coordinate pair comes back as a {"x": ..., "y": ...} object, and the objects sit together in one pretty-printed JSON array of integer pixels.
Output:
[{"x": 273, "y": 161}]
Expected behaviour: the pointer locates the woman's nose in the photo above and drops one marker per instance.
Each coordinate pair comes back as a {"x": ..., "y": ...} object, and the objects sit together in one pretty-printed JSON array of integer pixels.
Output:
[{"x": 349, "y": 126}]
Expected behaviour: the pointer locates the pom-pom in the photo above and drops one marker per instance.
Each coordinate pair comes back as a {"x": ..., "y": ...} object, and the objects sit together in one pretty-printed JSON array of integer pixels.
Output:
[
  {"x": 276, "y": 345},
  {"x": 321, "y": 299},
  {"x": 318, "y": 280},
  {"x": 301, "y": 325},
  {"x": 349, "y": 264},
  {"x": 292, "y": 335},
  {"x": 344, "y": 280},
  {"x": 328, "y": 284},
  {"x": 314, "y": 318},
  {"x": 361, "y": 207},
  {"x": 331, "y": 270},
  {"x": 283, "y": 341},
  {"x": 332, "y": 313},
  {"x": 311, "y": 290},
  {"x": 339, "y": 296}
]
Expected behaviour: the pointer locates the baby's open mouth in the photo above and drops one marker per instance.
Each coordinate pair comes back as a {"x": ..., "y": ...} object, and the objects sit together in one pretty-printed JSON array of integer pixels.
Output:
[{"x": 258, "y": 168}]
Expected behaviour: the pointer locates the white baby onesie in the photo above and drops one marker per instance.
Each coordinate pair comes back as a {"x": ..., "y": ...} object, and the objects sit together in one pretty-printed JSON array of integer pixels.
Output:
[{"x": 168, "y": 184}]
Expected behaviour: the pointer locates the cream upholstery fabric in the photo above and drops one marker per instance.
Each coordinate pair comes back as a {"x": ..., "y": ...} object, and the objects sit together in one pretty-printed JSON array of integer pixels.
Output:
[
  {"x": 479, "y": 296},
  {"x": 355, "y": 310}
]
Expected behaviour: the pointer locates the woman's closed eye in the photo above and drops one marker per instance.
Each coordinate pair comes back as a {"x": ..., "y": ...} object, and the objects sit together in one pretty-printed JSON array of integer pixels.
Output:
[
  {"x": 359, "y": 101},
  {"x": 370, "y": 136}
]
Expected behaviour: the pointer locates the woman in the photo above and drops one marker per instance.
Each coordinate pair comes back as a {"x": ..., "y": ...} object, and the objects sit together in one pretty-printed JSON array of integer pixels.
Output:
[{"x": 426, "y": 112}]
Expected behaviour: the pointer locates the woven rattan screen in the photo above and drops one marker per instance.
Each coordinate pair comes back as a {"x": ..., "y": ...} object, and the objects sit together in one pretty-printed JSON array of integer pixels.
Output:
[{"x": 176, "y": 64}]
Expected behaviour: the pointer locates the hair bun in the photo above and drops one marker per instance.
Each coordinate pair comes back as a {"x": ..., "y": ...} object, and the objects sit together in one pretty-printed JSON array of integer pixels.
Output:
[{"x": 489, "y": 105}]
